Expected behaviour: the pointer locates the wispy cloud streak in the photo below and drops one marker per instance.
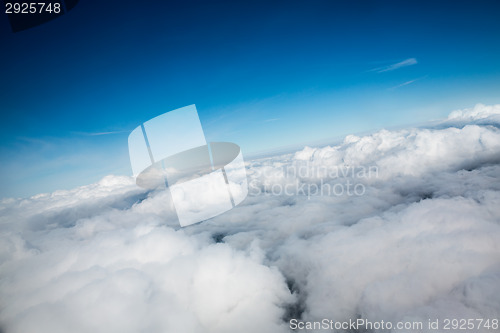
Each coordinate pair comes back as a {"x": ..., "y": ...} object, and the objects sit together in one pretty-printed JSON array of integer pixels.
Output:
[
  {"x": 398, "y": 65},
  {"x": 99, "y": 133},
  {"x": 106, "y": 133},
  {"x": 408, "y": 82}
]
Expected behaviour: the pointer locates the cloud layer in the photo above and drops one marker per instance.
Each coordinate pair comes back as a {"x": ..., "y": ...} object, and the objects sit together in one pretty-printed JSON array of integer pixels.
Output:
[{"x": 420, "y": 242}]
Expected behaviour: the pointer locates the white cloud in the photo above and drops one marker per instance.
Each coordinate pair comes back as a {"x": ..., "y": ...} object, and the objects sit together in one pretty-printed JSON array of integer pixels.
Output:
[
  {"x": 478, "y": 112},
  {"x": 407, "y": 83},
  {"x": 420, "y": 243},
  {"x": 404, "y": 84},
  {"x": 398, "y": 65}
]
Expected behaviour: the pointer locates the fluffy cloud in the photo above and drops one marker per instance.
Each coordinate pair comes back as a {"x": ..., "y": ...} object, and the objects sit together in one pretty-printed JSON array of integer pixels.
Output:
[
  {"x": 419, "y": 242},
  {"x": 479, "y": 114},
  {"x": 480, "y": 111},
  {"x": 124, "y": 270}
]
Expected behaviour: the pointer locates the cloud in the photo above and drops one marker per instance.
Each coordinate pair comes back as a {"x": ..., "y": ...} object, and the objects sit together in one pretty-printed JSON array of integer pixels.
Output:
[
  {"x": 107, "y": 133},
  {"x": 406, "y": 83},
  {"x": 481, "y": 115},
  {"x": 478, "y": 112},
  {"x": 398, "y": 65},
  {"x": 100, "y": 133},
  {"x": 420, "y": 242}
]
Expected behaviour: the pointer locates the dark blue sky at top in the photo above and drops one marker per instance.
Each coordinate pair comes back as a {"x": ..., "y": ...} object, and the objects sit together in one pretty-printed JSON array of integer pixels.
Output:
[{"x": 263, "y": 74}]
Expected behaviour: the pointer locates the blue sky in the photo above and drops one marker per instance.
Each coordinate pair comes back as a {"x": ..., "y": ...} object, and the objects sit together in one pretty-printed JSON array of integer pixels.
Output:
[{"x": 262, "y": 74}]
